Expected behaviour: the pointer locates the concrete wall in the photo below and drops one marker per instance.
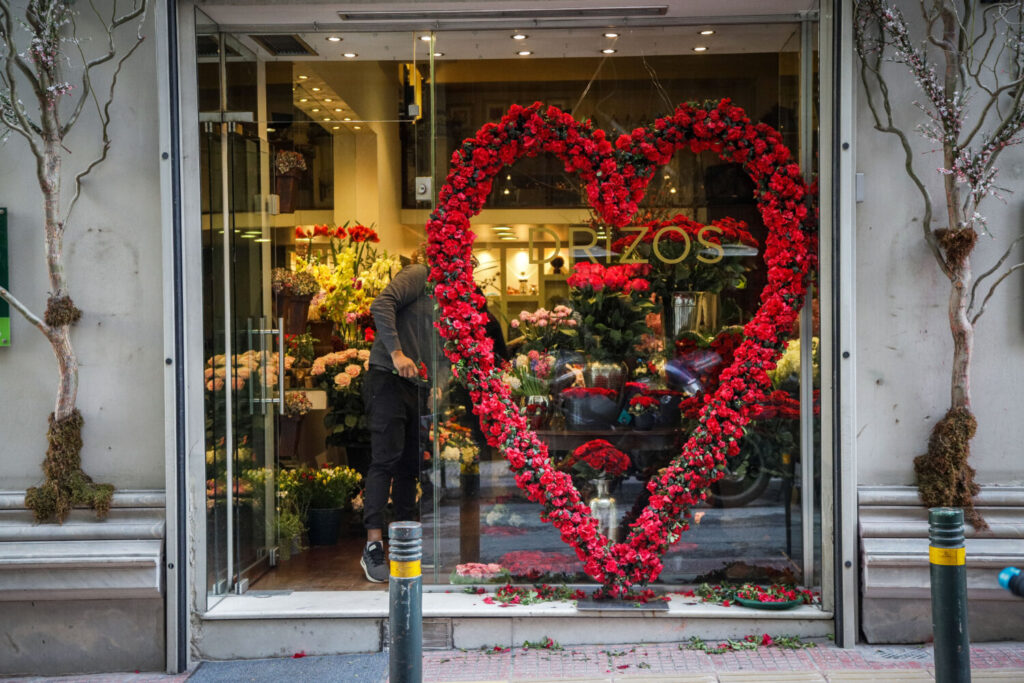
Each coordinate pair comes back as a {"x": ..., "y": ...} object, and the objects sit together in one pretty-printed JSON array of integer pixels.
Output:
[
  {"x": 903, "y": 341},
  {"x": 113, "y": 262}
]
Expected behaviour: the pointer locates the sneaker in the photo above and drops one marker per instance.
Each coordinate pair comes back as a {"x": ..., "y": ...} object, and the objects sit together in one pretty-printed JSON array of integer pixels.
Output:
[{"x": 373, "y": 563}]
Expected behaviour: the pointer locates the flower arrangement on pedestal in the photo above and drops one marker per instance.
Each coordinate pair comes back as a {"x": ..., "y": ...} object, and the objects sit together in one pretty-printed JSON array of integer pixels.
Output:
[
  {"x": 645, "y": 410},
  {"x": 597, "y": 459},
  {"x": 341, "y": 374}
]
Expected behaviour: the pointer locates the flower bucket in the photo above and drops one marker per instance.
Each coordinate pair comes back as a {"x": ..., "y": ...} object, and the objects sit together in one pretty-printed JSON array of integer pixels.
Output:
[
  {"x": 590, "y": 412},
  {"x": 324, "y": 525}
]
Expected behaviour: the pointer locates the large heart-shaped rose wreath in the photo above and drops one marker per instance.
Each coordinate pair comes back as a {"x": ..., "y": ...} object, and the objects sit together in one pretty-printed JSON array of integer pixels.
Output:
[{"x": 616, "y": 175}]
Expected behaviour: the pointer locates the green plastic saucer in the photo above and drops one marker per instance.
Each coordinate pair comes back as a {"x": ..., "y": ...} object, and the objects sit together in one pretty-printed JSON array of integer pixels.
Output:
[{"x": 757, "y": 604}]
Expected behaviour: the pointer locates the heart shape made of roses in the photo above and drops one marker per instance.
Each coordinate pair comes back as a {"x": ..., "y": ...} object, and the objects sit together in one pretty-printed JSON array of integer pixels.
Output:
[{"x": 616, "y": 175}]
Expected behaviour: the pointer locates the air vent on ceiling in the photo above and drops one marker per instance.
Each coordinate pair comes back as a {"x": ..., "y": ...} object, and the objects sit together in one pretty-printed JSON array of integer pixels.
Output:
[
  {"x": 208, "y": 46},
  {"x": 281, "y": 45}
]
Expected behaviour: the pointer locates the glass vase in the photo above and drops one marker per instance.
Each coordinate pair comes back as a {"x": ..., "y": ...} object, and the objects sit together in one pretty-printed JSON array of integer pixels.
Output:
[{"x": 603, "y": 509}]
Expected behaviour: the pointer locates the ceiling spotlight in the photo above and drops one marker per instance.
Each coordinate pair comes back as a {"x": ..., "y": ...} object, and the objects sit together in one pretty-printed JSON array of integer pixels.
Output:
[
  {"x": 502, "y": 228},
  {"x": 302, "y": 78},
  {"x": 271, "y": 130},
  {"x": 519, "y": 36},
  {"x": 700, "y": 48},
  {"x": 337, "y": 109},
  {"x": 708, "y": 32},
  {"x": 350, "y": 55},
  {"x": 327, "y": 118},
  {"x": 672, "y": 191},
  {"x": 426, "y": 38},
  {"x": 348, "y": 118},
  {"x": 327, "y": 99},
  {"x": 439, "y": 54},
  {"x": 334, "y": 39},
  {"x": 506, "y": 191},
  {"x": 303, "y": 99},
  {"x": 262, "y": 239},
  {"x": 611, "y": 35},
  {"x": 335, "y": 127},
  {"x": 524, "y": 53},
  {"x": 315, "y": 89},
  {"x": 357, "y": 127},
  {"x": 315, "y": 109},
  {"x": 608, "y": 51}
]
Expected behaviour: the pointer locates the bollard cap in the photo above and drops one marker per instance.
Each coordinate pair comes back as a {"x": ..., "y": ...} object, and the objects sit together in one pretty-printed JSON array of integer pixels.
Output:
[
  {"x": 946, "y": 527},
  {"x": 1007, "y": 575},
  {"x": 400, "y": 531}
]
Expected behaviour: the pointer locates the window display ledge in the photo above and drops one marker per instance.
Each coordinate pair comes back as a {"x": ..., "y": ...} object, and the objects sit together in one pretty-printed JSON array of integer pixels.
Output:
[{"x": 374, "y": 604}]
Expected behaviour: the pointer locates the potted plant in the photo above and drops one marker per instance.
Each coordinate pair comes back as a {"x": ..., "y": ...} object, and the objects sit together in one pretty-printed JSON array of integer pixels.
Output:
[
  {"x": 320, "y": 496},
  {"x": 289, "y": 532},
  {"x": 289, "y": 166},
  {"x": 292, "y": 293},
  {"x": 296, "y": 406},
  {"x": 301, "y": 348},
  {"x": 645, "y": 410}
]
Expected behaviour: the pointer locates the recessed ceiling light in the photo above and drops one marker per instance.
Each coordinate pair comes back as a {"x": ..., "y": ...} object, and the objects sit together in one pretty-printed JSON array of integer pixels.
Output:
[
  {"x": 348, "y": 118},
  {"x": 507, "y": 237},
  {"x": 503, "y": 228},
  {"x": 439, "y": 54},
  {"x": 611, "y": 35},
  {"x": 315, "y": 89},
  {"x": 524, "y": 53},
  {"x": 271, "y": 130},
  {"x": 334, "y": 39},
  {"x": 357, "y": 127},
  {"x": 302, "y": 78},
  {"x": 708, "y": 32},
  {"x": 327, "y": 118},
  {"x": 519, "y": 36},
  {"x": 672, "y": 191},
  {"x": 262, "y": 239},
  {"x": 303, "y": 99},
  {"x": 608, "y": 51},
  {"x": 337, "y": 109},
  {"x": 327, "y": 99},
  {"x": 506, "y": 191},
  {"x": 315, "y": 109},
  {"x": 335, "y": 127},
  {"x": 350, "y": 55},
  {"x": 425, "y": 39},
  {"x": 700, "y": 48}
]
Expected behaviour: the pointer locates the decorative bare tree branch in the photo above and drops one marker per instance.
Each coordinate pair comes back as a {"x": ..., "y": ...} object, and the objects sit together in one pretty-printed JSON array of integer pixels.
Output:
[
  {"x": 35, "y": 64},
  {"x": 965, "y": 65}
]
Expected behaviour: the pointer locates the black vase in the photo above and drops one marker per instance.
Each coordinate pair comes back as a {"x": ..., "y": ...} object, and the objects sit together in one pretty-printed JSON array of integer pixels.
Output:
[{"x": 323, "y": 525}]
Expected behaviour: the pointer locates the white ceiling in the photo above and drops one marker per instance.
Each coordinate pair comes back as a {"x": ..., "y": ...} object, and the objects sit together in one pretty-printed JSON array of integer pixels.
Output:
[{"x": 296, "y": 16}]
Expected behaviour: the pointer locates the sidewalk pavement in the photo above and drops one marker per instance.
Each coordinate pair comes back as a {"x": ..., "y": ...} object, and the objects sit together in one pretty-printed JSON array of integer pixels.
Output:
[{"x": 657, "y": 663}]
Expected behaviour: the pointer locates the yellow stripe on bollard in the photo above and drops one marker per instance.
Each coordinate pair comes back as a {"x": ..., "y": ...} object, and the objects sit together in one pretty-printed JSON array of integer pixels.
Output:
[
  {"x": 406, "y": 570},
  {"x": 949, "y": 557}
]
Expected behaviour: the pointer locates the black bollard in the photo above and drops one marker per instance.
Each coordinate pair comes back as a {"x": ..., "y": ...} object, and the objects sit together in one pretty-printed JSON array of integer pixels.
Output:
[
  {"x": 947, "y": 557},
  {"x": 405, "y": 617}
]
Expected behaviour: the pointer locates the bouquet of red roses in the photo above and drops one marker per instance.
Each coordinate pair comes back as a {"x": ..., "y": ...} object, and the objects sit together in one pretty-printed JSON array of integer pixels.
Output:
[{"x": 598, "y": 459}]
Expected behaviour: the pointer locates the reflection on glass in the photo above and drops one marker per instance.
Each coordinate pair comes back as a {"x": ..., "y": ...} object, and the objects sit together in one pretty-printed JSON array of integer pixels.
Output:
[{"x": 615, "y": 336}]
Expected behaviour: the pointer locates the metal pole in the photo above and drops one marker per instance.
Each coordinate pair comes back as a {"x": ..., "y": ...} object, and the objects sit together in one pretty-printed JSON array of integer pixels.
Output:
[
  {"x": 947, "y": 557},
  {"x": 405, "y": 617}
]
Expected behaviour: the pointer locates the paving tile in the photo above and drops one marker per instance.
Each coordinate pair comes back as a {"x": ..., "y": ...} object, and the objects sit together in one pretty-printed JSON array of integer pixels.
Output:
[
  {"x": 674, "y": 678},
  {"x": 1014, "y": 675},
  {"x": 894, "y": 675},
  {"x": 771, "y": 677}
]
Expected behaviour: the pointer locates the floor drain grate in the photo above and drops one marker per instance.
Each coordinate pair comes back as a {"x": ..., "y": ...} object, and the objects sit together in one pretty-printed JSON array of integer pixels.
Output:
[{"x": 901, "y": 654}]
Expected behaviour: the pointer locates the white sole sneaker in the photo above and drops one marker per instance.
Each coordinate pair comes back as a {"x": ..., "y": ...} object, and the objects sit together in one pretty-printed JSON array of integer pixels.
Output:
[{"x": 362, "y": 563}]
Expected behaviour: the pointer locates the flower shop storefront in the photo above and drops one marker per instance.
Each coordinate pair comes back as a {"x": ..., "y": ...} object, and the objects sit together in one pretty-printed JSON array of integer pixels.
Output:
[{"x": 624, "y": 391}]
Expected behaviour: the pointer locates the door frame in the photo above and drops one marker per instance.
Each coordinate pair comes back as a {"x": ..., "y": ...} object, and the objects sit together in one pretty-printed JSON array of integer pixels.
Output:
[{"x": 182, "y": 260}]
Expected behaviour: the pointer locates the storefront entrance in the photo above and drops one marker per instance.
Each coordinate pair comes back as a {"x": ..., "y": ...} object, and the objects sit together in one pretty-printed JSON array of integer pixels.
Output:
[{"x": 321, "y": 155}]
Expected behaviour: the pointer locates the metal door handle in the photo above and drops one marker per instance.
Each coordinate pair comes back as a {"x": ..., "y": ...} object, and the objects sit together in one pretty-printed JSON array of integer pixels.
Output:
[{"x": 280, "y": 365}]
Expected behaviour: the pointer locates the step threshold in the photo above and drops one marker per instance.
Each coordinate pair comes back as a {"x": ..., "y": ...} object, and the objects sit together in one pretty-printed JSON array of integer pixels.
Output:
[{"x": 374, "y": 605}]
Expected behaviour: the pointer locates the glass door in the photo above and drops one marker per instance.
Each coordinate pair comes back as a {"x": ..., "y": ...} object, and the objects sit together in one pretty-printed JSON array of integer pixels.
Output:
[{"x": 243, "y": 342}]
